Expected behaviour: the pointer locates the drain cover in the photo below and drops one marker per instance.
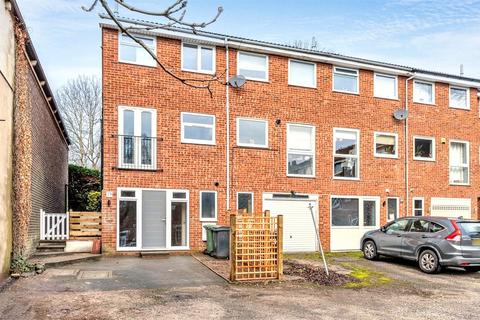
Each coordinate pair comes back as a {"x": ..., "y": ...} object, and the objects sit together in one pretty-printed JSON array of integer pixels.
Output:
[
  {"x": 91, "y": 275},
  {"x": 61, "y": 272}
]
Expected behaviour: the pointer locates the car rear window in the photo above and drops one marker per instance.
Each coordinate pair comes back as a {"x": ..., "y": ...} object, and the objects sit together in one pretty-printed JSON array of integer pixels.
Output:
[{"x": 472, "y": 229}]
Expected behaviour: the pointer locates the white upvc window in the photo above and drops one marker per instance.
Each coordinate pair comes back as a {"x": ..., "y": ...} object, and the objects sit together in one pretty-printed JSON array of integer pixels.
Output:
[
  {"x": 245, "y": 201},
  {"x": 137, "y": 138},
  {"x": 130, "y": 51},
  {"x": 252, "y": 66},
  {"x": 345, "y": 80},
  {"x": 459, "y": 98},
  {"x": 252, "y": 133},
  {"x": 198, "y": 58},
  {"x": 386, "y": 86},
  {"x": 423, "y": 92},
  {"x": 385, "y": 145},
  {"x": 459, "y": 162},
  {"x": 208, "y": 206},
  {"x": 300, "y": 150},
  {"x": 418, "y": 206},
  {"x": 423, "y": 148},
  {"x": 346, "y": 153},
  {"x": 198, "y": 128},
  {"x": 302, "y": 73},
  {"x": 393, "y": 207}
]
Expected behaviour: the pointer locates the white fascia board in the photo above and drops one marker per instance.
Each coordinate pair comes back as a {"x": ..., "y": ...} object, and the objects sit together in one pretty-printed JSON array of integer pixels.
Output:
[{"x": 452, "y": 81}]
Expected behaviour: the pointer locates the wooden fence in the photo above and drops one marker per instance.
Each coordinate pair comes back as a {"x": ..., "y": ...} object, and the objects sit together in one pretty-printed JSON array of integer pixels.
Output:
[
  {"x": 53, "y": 226},
  {"x": 256, "y": 247},
  {"x": 85, "y": 225}
]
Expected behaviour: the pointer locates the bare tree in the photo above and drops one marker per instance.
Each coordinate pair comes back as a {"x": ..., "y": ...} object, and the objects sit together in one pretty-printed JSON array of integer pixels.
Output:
[
  {"x": 173, "y": 15},
  {"x": 80, "y": 101}
]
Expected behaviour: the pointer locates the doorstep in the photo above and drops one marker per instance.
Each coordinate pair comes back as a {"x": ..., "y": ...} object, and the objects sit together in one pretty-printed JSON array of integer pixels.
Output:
[{"x": 65, "y": 259}]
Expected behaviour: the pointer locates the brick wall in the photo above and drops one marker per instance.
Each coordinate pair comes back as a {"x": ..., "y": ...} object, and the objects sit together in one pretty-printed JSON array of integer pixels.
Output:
[
  {"x": 197, "y": 167},
  {"x": 49, "y": 162}
]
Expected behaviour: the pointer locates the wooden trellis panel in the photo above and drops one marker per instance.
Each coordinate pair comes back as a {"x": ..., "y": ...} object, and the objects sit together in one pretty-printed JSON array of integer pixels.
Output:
[
  {"x": 85, "y": 225},
  {"x": 256, "y": 247}
]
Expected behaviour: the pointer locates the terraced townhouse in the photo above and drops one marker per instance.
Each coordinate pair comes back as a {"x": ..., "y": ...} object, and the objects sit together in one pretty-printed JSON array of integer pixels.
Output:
[{"x": 309, "y": 131}]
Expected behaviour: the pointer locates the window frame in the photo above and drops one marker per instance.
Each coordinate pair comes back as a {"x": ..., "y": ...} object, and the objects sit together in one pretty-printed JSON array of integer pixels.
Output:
[
  {"x": 197, "y": 141},
  {"x": 350, "y": 69},
  {"x": 137, "y": 125},
  {"x": 415, "y": 97},
  {"x": 253, "y": 200},
  {"x": 153, "y": 64},
  {"x": 252, "y": 145},
  {"x": 199, "y": 58},
  {"x": 467, "y": 144},
  {"x": 313, "y": 151},
  {"x": 357, "y": 156},
  {"x": 239, "y": 53},
  {"x": 467, "y": 93},
  {"x": 290, "y": 83},
  {"x": 380, "y": 155},
  {"x": 397, "y": 200},
  {"x": 413, "y": 206},
  {"x": 385, "y": 75},
  {"x": 434, "y": 149},
  {"x": 216, "y": 206}
]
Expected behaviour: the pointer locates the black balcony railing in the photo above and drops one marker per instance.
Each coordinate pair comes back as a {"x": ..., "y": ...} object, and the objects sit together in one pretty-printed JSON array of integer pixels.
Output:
[{"x": 137, "y": 152}]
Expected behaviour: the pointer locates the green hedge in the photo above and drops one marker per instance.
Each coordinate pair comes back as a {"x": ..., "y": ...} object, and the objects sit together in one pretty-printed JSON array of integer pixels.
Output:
[{"x": 84, "y": 188}]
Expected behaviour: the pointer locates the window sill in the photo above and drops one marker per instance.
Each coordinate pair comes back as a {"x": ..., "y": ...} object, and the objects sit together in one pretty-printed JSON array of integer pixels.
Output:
[
  {"x": 208, "y": 220},
  {"x": 432, "y": 104},
  {"x": 424, "y": 159},
  {"x": 347, "y": 92},
  {"x": 459, "y": 184},
  {"x": 300, "y": 176},
  {"x": 138, "y": 169},
  {"x": 138, "y": 64},
  {"x": 241, "y": 146},
  {"x": 257, "y": 80},
  {"x": 460, "y": 108},
  {"x": 199, "y": 71},
  {"x": 387, "y": 98},
  {"x": 198, "y": 143},
  {"x": 346, "y": 179},
  {"x": 302, "y": 87},
  {"x": 385, "y": 156}
]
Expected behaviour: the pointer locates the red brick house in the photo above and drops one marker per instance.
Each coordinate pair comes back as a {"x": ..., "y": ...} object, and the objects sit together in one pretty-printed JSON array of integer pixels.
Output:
[{"x": 308, "y": 129}]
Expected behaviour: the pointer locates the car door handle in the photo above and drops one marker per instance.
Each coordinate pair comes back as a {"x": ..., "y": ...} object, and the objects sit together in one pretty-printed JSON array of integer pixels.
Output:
[
  {"x": 399, "y": 235},
  {"x": 425, "y": 236}
]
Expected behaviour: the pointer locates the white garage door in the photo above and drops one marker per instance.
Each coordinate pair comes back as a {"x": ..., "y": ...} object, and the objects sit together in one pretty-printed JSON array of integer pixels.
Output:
[
  {"x": 298, "y": 228},
  {"x": 451, "y": 207}
]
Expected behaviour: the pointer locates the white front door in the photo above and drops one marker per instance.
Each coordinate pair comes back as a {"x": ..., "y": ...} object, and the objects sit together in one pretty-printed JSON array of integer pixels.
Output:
[
  {"x": 298, "y": 226},
  {"x": 351, "y": 217}
]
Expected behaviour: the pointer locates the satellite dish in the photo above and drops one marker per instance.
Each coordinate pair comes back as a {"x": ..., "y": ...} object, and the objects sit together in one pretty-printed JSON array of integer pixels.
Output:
[
  {"x": 400, "y": 114},
  {"x": 237, "y": 81}
]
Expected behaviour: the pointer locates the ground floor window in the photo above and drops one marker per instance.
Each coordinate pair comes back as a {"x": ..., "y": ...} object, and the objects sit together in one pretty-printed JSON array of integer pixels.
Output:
[
  {"x": 208, "y": 205},
  {"x": 418, "y": 207},
  {"x": 127, "y": 223},
  {"x": 245, "y": 201},
  {"x": 392, "y": 208}
]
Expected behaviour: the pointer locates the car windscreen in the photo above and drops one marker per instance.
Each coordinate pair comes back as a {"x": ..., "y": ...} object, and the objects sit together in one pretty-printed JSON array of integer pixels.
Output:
[{"x": 470, "y": 228}]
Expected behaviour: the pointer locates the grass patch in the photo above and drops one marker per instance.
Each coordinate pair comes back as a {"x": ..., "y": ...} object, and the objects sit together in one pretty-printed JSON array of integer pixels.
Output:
[
  {"x": 330, "y": 256},
  {"x": 365, "y": 277}
]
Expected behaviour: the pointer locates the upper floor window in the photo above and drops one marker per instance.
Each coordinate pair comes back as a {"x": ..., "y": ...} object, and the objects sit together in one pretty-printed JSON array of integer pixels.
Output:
[
  {"x": 423, "y": 92},
  {"x": 252, "y": 133},
  {"x": 300, "y": 150},
  {"x": 132, "y": 52},
  {"x": 137, "y": 138},
  {"x": 459, "y": 98},
  {"x": 253, "y": 66},
  {"x": 385, "y": 86},
  {"x": 346, "y": 153},
  {"x": 345, "y": 80},
  {"x": 386, "y": 145},
  {"x": 424, "y": 148},
  {"x": 198, "y": 128},
  {"x": 303, "y": 74},
  {"x": 198, "y": 58},
  {"x": 459, "y": 162}
]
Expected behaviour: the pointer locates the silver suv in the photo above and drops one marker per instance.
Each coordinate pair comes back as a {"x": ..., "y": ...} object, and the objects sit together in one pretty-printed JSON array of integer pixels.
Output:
[{"x": 433, "y": 242}]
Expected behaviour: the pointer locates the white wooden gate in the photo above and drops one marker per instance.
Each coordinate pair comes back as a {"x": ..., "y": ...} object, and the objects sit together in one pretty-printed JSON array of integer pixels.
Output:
[{"x": 54, "y": 226}]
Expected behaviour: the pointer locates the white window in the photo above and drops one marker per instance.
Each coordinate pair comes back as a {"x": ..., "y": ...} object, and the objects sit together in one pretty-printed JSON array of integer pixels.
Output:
[
  {"x": 424, "y": 92},
  {"x": 459, "y": 98},
  {"x": 253, "y": 66},
  {"x": 252, "y": 133},
  {"x": 345, "y": 80},
  {"x": 393, "y": 205},
  {"x": 301, "y": 73},
  {"x": 418, "y": 207},
  {"x": 137, "y": 140},
  {"x": 346, "y": 153},
  {"x": 459, "y": 162},
  {"x": 385, "y": 86},
  {"x": 208, "y": 206},
  {"x": 245, "y": 201},
  {"x": 198, "y": 128},
  {"x": 424, "y": 148},
  {"x": 386, "y": 145},
  {"x": 198, "y": 58},
  {"x": 300, "y": 150},
  {"x": 131, "y": 52}
]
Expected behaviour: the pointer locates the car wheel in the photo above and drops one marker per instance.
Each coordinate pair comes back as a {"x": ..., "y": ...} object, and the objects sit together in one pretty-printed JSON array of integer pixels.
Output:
[
  {"x": 472, "y": 269},
  {"x": 428, "y": 262},
  {"x": 370, "y": 250}
]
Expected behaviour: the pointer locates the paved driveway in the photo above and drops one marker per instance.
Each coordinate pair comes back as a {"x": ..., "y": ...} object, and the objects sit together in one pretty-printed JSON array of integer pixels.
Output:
[{"x": 180, "y": 288}]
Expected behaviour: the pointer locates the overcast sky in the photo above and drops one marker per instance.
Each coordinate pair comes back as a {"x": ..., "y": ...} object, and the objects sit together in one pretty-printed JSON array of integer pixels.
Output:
[{"x": 430, "y": 34}]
